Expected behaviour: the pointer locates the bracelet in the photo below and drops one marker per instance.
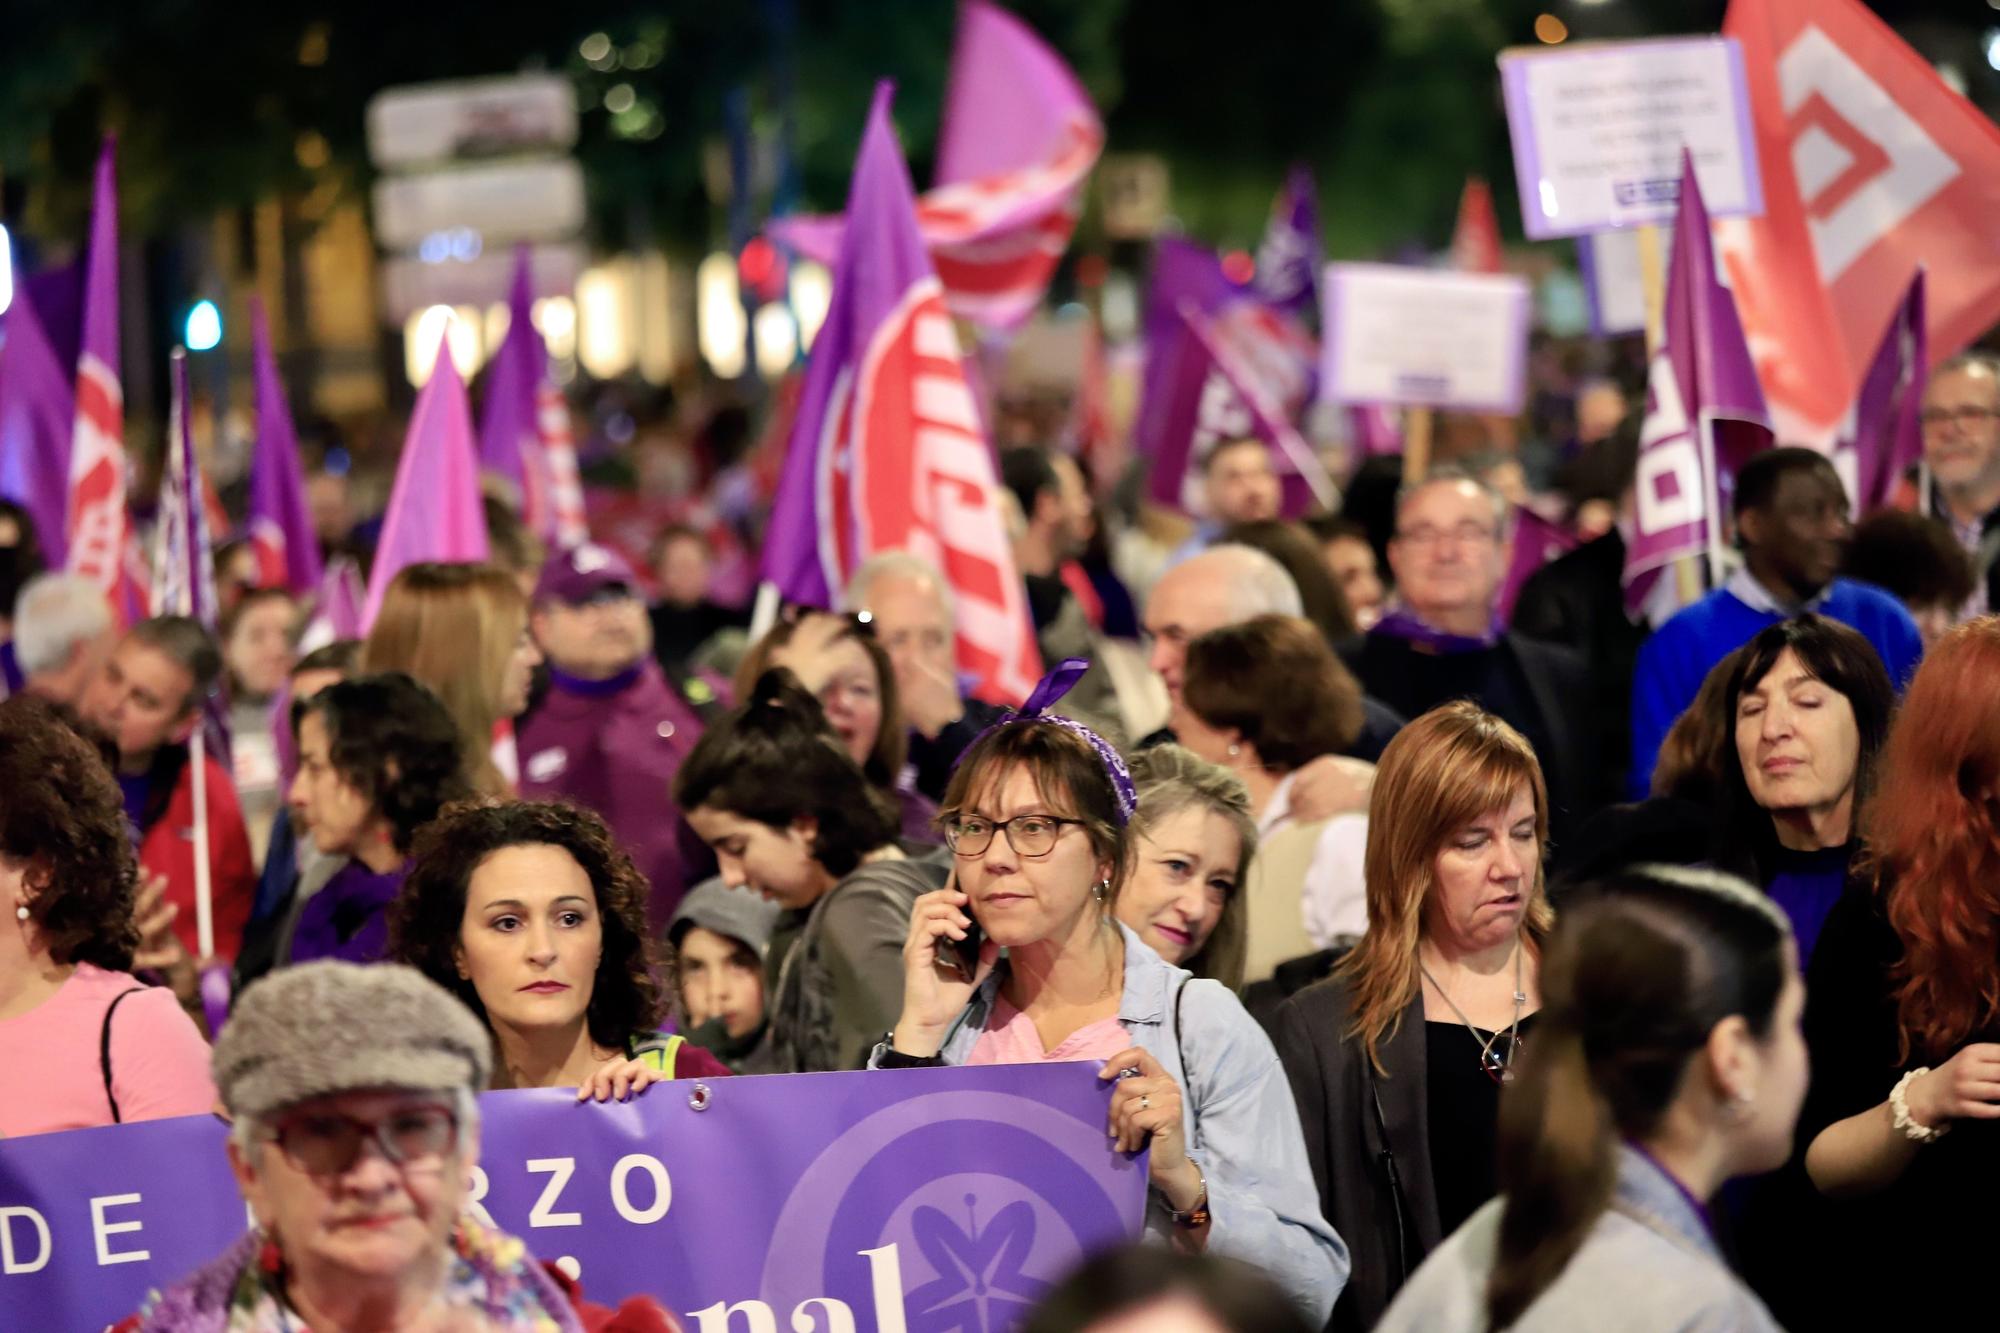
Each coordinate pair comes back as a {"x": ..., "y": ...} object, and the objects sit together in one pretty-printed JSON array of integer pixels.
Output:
[
  {"x": 1197, "y": 1216},
  {"x": 1899, "y": 1103}
]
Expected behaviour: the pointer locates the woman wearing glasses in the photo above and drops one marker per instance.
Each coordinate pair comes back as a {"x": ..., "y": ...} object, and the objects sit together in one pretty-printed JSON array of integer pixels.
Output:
[
  {"x": 773, "y": 790},
  {"x": 1036, "y": 818},
  {"x": 354, "y": 1097},
  {"x": 1397, "y": 1059}
]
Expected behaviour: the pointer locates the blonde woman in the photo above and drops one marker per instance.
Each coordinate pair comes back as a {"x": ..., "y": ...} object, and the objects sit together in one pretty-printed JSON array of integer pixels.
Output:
[
  {"x": 1397, "y": 1059},
  {"x": 1192, "y": 841},
  {"x": 461, "y": 630}
]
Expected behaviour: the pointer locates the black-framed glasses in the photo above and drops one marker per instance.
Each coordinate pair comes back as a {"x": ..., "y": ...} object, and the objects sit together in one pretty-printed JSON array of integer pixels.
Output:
[
  {"x": 1028, "y": 835},
  {"x": 327, "y": 1143},
  {"x": 1498, "y": 1059}
]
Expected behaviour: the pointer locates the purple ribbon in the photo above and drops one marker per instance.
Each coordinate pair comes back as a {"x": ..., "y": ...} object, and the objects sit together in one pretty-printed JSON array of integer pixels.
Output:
[{"x": 1053, "y": 687}]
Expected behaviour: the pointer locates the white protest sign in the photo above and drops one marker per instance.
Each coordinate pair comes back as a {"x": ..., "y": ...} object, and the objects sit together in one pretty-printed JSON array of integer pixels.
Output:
[
  {"x": 1614, "y": 281},
  {"x": 1598, "y": 132},
  {"x": 1424, "y": 337}
]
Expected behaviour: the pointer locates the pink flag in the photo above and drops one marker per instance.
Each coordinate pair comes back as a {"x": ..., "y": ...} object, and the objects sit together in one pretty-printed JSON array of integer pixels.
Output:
[
  {"x": 1536, "y": 542},
  {"x": 1883, "y": 437},
  {"x": 281, "y": 529},
  {"x": 434, "y": 511},
  {"x": 1018, "y": 139},
  {"x": 337, "y": 605},
  {"x": 95, "y": 524},
  {"x": 886, "y": 452},
  {"x": 1704, "y": 410},
  {"x": 37, "y": 418}
]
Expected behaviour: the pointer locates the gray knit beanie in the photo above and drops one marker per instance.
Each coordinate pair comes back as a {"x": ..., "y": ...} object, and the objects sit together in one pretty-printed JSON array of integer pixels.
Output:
[{"x": 329, "y": 1027}]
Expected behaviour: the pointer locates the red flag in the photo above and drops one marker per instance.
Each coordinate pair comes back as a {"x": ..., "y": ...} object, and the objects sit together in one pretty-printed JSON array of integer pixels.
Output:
[
  {"x": 98, "y": 531},
  {"x": 1475, "y": 241},
  {"x": 1871, "y": 165}
]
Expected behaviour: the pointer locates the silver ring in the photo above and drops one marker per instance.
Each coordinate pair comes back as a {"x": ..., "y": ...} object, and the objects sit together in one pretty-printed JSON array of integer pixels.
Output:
[
  {"x": 1145, "y": 1101},
  {"x": 698, "y": 1099}
]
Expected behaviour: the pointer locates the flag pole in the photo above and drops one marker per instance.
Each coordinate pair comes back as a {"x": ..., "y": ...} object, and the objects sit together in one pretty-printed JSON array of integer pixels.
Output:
[
  {"x": 764, "y": 613},
  {"x": 1416, "y": 444},
  {"x": 180, "y": 473}
]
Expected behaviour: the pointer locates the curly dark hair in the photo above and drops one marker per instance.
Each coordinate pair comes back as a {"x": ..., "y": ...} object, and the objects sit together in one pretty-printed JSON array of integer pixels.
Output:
[
  {"x": 395, "y": 743},
  {"x": 774, "y": 759},
  {"x": 634, "y": 974},
  {"x": 62, "y": 817}
]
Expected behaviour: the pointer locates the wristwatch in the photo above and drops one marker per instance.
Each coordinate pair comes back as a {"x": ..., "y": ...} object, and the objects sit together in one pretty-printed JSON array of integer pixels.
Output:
[
  {"x": 1196, "y": 1217},
  {"x": 888, "y": 1057}
]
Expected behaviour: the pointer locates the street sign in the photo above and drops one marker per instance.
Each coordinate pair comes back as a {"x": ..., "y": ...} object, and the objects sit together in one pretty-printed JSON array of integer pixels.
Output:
[{"x": 502, "y": 201}]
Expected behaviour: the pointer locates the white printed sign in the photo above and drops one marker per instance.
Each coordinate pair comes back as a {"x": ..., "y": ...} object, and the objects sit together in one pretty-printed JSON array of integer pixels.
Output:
[
  {"x": 1615, "y": 281},
  {"x": 1425, "y": 337},
  {"x": 1598, "y": 132}
]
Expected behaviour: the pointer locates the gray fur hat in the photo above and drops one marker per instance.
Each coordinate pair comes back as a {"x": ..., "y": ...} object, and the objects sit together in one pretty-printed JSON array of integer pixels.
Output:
[{"x": 328, "y": 1027}]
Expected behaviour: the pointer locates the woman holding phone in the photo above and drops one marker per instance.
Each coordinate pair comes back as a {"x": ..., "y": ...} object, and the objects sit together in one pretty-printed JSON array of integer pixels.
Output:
[{"x": 1036, "y": 819}]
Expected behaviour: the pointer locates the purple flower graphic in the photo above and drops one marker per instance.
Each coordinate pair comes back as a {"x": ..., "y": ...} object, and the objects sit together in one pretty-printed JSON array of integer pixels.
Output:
[{"x": 980, "y": 1287}]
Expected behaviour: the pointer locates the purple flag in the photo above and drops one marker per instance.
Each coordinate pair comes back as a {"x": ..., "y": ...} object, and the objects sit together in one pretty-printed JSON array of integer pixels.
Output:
[
  {"x": 1884, "y": 436},
  {"x": 281, "y": 528},
  {"x": 37, "y": 415},
  {"x": 886, "y": 451},
  {"x": 1288, "y": 260},
  {"x": 509, "y": 442},
  {"x": 183, "y": 561},
  {"x": 1536, "y": 542},
  {"x": 434, "y": 510},
  {"x": 1220, "y": 364},
  {"x": 1705, "y": 411},
  {"x": 96, "y": 525}
]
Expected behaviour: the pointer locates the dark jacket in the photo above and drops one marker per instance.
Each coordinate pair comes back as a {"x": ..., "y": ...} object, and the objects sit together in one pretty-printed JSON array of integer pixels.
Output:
[
  {"x": 1578, "y": 602},
  {"x": 1337, "y": 1092},
  {"x": 616, "y": 753},
  {"x": 1544, "y": 694},
  {"x": 833, "y": 980}
]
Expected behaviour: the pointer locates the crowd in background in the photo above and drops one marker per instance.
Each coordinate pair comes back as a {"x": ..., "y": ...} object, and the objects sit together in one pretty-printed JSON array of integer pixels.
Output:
[{"x": 1467, "y": 951}]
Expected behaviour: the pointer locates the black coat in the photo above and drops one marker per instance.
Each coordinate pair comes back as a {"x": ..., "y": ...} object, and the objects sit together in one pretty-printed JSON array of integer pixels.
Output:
[
  {"x": 1352, "y": 1149},
  {"x": 1578, "y": 602},
  {"x": 1550, "y": 692}
]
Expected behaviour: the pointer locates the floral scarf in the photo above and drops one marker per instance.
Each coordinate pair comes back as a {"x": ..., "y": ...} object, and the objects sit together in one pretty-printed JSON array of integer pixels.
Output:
[{"x": 490, "y": 1273}]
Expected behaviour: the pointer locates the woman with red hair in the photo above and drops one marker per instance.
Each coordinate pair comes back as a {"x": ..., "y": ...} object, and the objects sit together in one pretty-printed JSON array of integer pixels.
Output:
[{"x": 1904, "y": 1008}]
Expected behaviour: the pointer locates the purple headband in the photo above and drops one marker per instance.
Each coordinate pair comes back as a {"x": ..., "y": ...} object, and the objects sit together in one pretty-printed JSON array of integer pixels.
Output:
[{"x": 1053, "y": 687}]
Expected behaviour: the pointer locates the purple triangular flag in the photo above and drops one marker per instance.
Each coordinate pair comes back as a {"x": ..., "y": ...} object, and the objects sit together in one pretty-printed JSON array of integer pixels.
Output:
[
  {"x": 37, "y": 416},
  {"x": 1288, "y": 259},
  {"x": 281, "y": 528},
  {"x": 1884, "y": 431},
  {"x": 337, "y": 605},
  {"x": 434, "y": 510},
  {"x": 507, "y": 430},
  {"x": 1705, "y": 411},
  {"x": 1536, "y": 542}
]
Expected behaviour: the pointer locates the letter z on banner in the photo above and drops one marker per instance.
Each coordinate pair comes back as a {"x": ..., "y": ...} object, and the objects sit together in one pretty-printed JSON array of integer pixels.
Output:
[
  {"x": 1871, "y": 166},
  {"x": 919, "y": 477}
]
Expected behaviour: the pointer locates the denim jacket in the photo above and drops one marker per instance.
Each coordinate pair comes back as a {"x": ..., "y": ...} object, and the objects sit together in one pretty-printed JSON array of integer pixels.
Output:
[
  {"x": 1648, "y": 1265},
  {"x": 1242, "y": 1127}
]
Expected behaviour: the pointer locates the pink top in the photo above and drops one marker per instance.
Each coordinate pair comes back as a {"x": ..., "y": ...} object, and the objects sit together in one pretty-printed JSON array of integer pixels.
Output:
[
  {"x": 1010, "y": 1039},
  {"x": 159, "y": 1063}
]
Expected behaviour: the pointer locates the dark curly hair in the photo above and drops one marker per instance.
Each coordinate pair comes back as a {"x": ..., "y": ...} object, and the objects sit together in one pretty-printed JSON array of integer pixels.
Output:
[
  {"x": 634, "y": 975},
  {"x": 395, "y": 743},
  {"x": 774, "y": 759},
  {"x": 62, "y": 817}
]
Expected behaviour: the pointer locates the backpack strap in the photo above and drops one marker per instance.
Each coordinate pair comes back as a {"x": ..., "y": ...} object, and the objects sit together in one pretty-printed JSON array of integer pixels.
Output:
[
  {"x": 658, "y": 1053},
  {"x": 104, "y": 1051}
]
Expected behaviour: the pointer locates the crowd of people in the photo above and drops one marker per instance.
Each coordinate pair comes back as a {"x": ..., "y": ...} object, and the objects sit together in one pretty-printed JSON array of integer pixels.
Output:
[{"x": 1458, "y": 967}]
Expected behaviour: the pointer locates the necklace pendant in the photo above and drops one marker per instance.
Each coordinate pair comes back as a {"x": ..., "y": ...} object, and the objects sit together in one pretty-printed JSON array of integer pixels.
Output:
[{"x": 1520, "y": 997}]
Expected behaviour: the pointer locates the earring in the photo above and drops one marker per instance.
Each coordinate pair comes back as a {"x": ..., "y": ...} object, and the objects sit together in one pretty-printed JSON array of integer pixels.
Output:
[
  {"x": 21, "y": 912},
  {"x": 1099, "y": 889},
  {"x": 1235, "y": 750}
]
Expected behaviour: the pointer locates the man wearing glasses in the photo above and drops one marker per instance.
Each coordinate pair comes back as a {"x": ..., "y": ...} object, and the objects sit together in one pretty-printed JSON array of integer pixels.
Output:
[
  {"x": 1441, "y": 638},
  {"x": 1961, "y": 421}
]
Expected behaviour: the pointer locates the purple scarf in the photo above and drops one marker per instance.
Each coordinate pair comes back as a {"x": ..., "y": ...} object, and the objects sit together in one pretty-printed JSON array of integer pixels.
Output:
[
  {"x": 348, "y": 919},
  {"x": 1402, "y": 623},
  {"x": 1053, "y": 687}
]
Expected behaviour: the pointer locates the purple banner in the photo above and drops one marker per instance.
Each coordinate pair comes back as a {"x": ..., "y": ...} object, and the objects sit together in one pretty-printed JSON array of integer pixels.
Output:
[{"x": 955, "y": 1196}]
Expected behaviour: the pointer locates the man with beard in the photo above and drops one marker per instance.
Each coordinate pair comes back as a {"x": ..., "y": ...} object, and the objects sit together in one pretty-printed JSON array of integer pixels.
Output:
[{"x": 611, "y": 731}]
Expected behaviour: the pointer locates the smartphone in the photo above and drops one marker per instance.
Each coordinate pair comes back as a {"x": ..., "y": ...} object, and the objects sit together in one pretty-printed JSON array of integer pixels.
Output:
[{"x": 961, "y": 956}]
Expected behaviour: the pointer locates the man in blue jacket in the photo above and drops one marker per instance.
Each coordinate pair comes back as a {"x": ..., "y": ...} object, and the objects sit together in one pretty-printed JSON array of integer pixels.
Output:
[{"x": 1793, "y": 526}]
